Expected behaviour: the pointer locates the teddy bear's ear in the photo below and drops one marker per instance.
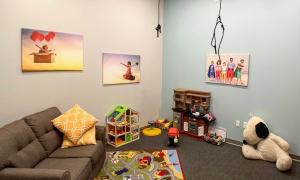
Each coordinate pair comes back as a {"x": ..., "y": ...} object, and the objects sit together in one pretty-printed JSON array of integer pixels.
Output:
[{"x": 262, "y": 130}]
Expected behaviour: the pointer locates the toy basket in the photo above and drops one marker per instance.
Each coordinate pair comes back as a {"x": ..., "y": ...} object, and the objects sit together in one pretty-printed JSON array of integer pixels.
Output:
[{"x": 216, "y": 136}]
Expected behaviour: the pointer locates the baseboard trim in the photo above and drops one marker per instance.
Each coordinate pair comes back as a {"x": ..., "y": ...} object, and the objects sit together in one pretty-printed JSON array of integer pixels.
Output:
[{"x": 239, "y": 144}]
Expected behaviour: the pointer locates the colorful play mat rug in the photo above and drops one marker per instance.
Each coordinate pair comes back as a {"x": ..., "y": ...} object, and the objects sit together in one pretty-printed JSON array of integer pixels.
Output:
[{"x": 142, "y": 165}]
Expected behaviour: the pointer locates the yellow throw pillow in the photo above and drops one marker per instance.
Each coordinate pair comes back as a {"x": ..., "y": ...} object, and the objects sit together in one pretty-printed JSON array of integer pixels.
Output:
[
  {"x": 74, "y": 123},
  {"x": 88, "y": 138}
]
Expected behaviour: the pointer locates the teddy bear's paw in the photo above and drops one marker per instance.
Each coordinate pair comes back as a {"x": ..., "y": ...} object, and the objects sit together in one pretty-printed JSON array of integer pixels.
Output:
[
  {"x": 284, "y": 163},
  {"x": 250, "y": 153},
  {"x": 285, "y": 146}
]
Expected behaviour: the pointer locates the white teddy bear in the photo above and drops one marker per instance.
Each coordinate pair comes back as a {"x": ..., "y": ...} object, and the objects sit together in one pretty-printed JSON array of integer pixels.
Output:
[{"x": 260, "y": 144}]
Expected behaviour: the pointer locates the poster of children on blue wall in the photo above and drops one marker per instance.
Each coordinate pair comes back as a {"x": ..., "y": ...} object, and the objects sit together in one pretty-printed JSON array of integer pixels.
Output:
[{"x": 232, "y": 69}]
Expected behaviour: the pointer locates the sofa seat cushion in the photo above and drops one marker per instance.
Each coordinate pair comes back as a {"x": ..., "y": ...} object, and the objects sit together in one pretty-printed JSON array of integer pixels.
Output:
[
  {"x": 42, "y": 127},
  {"x": 93, "y": 152},
  {"x": 80, "y": 168}
]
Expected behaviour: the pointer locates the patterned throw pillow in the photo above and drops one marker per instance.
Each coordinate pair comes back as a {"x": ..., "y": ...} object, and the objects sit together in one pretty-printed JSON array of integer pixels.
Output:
[
  {"x": 88, "y": 138},
  {"x": 74, "y": 123}
]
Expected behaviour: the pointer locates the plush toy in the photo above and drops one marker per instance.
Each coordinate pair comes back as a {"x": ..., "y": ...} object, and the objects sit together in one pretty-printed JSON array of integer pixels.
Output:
[{"x": 259, "y": 143}]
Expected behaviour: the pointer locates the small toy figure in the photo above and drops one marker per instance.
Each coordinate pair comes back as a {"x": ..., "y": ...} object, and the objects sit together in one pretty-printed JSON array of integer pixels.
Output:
[{"x": 173, "y": 135}]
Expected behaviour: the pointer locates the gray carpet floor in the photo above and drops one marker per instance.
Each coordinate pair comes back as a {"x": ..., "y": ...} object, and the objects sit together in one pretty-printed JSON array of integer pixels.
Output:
[{"x": 201, "y": 160}]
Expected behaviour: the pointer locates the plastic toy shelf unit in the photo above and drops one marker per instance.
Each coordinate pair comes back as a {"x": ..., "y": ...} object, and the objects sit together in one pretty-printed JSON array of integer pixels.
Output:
[{"x": 122, "y": 126}]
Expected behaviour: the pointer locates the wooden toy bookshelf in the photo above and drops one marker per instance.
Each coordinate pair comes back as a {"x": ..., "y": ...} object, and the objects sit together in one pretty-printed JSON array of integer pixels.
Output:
[{"x": 122, "y": 126}]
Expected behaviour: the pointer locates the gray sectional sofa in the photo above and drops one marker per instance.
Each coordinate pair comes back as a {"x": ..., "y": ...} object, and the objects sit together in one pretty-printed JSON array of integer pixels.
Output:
[{"x": 30, "y": 150}]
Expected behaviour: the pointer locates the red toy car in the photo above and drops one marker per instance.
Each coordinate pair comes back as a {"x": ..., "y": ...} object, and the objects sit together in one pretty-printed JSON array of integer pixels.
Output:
[{"x": 173, "y": 134}]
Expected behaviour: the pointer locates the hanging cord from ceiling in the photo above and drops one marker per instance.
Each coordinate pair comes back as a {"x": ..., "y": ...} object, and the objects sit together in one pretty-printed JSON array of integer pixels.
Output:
[
  {"x": 158, "y": 27},
  {"x": 214, "y": 38}
]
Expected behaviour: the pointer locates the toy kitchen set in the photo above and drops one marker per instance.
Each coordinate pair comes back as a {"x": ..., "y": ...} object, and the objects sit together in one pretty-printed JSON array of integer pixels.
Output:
[{"x": 191, "y": 112}]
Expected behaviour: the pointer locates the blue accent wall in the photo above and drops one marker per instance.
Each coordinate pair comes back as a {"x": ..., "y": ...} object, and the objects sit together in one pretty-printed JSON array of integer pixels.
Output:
[{"x": 267, "y": 29}]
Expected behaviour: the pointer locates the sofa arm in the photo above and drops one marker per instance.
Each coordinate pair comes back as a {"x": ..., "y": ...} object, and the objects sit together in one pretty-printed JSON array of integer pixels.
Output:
[
  {"x": 100, "y": 133},
  {"x": 34, "y": 174}
]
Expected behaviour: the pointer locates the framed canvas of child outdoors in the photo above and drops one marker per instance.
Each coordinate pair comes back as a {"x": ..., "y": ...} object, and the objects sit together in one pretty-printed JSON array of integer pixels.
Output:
[
  {"x": 51, "y": 51},
  {"x": 232, "y": 69},
  {"x": 120, "y": 68}
]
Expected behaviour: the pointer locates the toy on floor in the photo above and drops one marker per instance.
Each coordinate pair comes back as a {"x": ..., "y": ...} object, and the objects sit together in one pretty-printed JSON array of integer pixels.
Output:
[
  {"x": 133, "y": 177},
  {"x": 259, "y": 143},
  {"x": 209, "y": 117},
  {"x": 173, "y": 134},
  {"x": 144, "y": 162},
  {"x": 152, "y": 130},
  {"x": 163, "y": 123},
  {"x": 213, "y": 138},
  {"x": 119, "y": 172}
]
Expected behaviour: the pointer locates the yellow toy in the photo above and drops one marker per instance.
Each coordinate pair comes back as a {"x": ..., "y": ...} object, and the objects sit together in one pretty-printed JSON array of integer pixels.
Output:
[
  {"x": 151, "y": 131},
  {"x": 164, "y": 123}
]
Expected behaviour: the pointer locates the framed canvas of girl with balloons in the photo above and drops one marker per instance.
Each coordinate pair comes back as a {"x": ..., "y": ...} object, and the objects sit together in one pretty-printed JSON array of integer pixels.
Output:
[{"x": 51, "y": 51}]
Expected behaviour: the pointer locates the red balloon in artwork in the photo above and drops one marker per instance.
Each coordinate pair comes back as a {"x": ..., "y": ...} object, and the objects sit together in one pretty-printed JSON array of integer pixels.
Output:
[
  {"x": 35, "y": 35},
  {"x": 47, "y": 38},
  {"x": 41, "y": 37},
  {"x": 51, "y": 35},
  {"x": 32, "y": 37}
]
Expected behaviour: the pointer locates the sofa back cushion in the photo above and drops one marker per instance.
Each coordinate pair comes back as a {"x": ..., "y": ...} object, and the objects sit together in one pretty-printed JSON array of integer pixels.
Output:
[
  {"x": 42, "y": 127},
  {"x": 8, "y": 147},
  {"x": 20, "y": 147}
]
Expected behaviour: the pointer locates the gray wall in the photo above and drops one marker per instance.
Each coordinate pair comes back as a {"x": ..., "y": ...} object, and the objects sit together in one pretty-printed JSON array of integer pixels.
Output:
[
  {"x": 268, "y": 30},
  {"x": 120, "y": 26}
]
